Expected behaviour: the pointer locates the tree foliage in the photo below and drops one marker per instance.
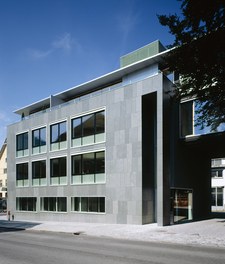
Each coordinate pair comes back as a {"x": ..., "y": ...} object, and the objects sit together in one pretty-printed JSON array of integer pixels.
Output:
[{"x": 198, "y": 55}]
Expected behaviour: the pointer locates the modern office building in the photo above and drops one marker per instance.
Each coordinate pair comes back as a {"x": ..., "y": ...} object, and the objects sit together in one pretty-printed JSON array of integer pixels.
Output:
[{"x": 116, "y": 149}]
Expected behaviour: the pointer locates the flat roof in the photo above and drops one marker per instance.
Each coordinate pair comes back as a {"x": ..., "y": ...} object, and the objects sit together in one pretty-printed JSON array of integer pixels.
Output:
[{"x": 92, "y": 85}]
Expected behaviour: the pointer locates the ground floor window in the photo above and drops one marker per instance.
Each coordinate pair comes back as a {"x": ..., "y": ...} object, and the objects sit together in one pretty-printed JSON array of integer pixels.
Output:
[
  {"x": 26, "y": 203},
  {"x": 217, "y": 196},
  {"x": 88, "y": 204},
  {"x": 53, "y": 204},
  {"x": 181, "y": 205}
]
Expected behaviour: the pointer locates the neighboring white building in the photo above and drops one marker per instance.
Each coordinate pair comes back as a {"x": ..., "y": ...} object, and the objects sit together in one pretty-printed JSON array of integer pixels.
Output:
[
  {"x": 3, "y": 171},
  {"x": 218, "y": 184},
  {"x": 3, "y": 177}
]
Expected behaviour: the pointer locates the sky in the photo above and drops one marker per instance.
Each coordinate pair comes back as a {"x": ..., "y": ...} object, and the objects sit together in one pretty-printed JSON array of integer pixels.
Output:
[{"x": 48, "y": 46}]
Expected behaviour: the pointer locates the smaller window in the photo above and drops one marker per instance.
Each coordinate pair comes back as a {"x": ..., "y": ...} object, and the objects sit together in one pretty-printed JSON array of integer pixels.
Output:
[
  {"x": 26, "y": 204},
  {"x": 58, "y": 136},
  {"x": 39, "y": 173},
  {"x": 22, "y": 174},
  {"x": 22, "y": 144},
  {"x": 53, "y": 204},
  {"x": 217, "y": 172},
  {"x": 58, "y": 171},
  {"x": 39, "y": 140}
]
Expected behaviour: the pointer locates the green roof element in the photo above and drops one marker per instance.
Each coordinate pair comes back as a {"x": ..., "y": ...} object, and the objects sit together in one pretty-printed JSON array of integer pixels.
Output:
[{"x": 142, "y": 53}]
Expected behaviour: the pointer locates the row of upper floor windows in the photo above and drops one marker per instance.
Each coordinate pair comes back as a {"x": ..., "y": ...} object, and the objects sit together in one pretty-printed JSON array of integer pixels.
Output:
[
  {"x": 87, "y": 129},
  {"x": 86, "y": 168}
]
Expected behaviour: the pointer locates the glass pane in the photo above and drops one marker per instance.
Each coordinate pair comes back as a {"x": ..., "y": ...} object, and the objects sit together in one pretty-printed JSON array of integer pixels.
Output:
[
  {"x": 100, "y": 122},
  {"x": 62, "y": 169},
  {"x": 54, "y": 167},
  {"x": 54, "y": 133},
  {"x": 186, "y": 110},
  {"x": 76, "y": 128},
  {"x": 35, "y": 138},
  {"x": 42, "y": 165},
  {"x": 93, "y": 204},
  {"x": 43, "y": 136},
  {"x": 61, "y": 204},
  {"x": 77, "y": 204},
  {"x": 88, "y": 125},
  {"x": 100, "y": 162},
  {"x": 102, "y": 204},
  {"x": 35, "y": 170},
  {"x": 76, "y": 165},
  {"x": 62, "y": 131},
  {"x": 84, "y": 204},
  {"x": 25, "y": 141},
  {"x": 88, "y": 163},
  {"x": 52, "y": 204},
  {"x": 19, "y": 142},
  {"x": 219, "y": 196}
]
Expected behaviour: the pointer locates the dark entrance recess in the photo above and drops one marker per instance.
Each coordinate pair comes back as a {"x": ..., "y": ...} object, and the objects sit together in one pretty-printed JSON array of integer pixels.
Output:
[{"x": 149, "y": 158}]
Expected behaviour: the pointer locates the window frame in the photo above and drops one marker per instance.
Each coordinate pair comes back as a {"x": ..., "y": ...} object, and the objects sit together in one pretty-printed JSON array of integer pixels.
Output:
[
  {"x": 61, "y": 141},
  {"x": 78, "y": 206},
  {"x": 24, "y": 142},
  {"x": 39, "y": 181},
  {"x": 58, "y": 179},
  {"x": 24, "y": 181},
  {"x": 82, "y": 172},
  {"x": 40, "y": 147},
  {"x": 97, "y": 135}
]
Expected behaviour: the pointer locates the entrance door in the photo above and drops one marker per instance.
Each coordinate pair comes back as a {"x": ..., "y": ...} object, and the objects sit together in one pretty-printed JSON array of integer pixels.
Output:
[{"x": 181, "y": 205}]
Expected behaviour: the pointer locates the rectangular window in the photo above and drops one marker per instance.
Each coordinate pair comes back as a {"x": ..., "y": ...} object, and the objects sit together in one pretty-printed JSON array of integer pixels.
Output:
[
  {"x": 26, "y": 204},
  {"x": 88, "y": 204},
  {"x": 58, "y": 171},
  {"x": 58, "y": 136},
  {"x": 22, "y": 145},
  {"x": 88, "y": 129},
  {"x": 189, "y": 112},
  {"x": 53, "y": 204},
  {"x": 217, "y": 172},
  {"x": 88, "y": 168},
  {"x": 22, "y": 174},
  {"x": 39, "y": 140},
  {"x": 39, "y": 173},
  {"x": 217, "y": 196}
]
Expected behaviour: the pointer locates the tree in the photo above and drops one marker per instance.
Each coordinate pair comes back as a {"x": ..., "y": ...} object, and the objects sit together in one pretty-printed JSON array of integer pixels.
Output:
[{"x": 198, "y": 55}]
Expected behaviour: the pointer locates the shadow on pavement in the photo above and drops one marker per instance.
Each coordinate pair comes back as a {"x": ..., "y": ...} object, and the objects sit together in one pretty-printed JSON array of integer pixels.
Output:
[{"x": 13, "y": 226}]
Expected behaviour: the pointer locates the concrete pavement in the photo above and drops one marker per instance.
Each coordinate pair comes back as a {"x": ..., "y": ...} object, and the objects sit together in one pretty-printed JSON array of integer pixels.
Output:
[{"x": 206, "y": 233}]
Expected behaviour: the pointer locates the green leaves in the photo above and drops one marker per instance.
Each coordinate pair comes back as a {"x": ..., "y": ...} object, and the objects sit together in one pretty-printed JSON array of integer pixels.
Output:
[{"x": 200, "y": 55}]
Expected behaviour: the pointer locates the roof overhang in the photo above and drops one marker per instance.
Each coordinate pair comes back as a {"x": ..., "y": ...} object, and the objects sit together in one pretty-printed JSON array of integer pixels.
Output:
[{"x": 95, "y": 84}]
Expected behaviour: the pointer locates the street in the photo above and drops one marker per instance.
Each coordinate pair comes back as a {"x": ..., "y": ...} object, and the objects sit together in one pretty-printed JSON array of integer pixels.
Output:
[{"x": 35, "y": 247}]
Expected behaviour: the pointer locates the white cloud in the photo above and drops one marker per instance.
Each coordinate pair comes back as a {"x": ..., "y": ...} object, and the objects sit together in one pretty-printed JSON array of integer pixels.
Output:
[
  {"x": 127, "y": 21},
  {"x": 64, "y": 43}
]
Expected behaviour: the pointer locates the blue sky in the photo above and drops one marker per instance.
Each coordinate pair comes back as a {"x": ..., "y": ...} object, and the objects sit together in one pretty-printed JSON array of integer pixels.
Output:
[{"x": 47, "y": 46}]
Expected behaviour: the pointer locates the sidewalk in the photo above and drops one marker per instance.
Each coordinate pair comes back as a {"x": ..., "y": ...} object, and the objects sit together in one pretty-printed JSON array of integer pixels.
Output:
[{"x": 205, "y": 233}]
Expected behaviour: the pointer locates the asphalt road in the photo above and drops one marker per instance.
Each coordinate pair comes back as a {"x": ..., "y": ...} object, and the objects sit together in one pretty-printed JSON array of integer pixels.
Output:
[{"x": 35, "y": 247}]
